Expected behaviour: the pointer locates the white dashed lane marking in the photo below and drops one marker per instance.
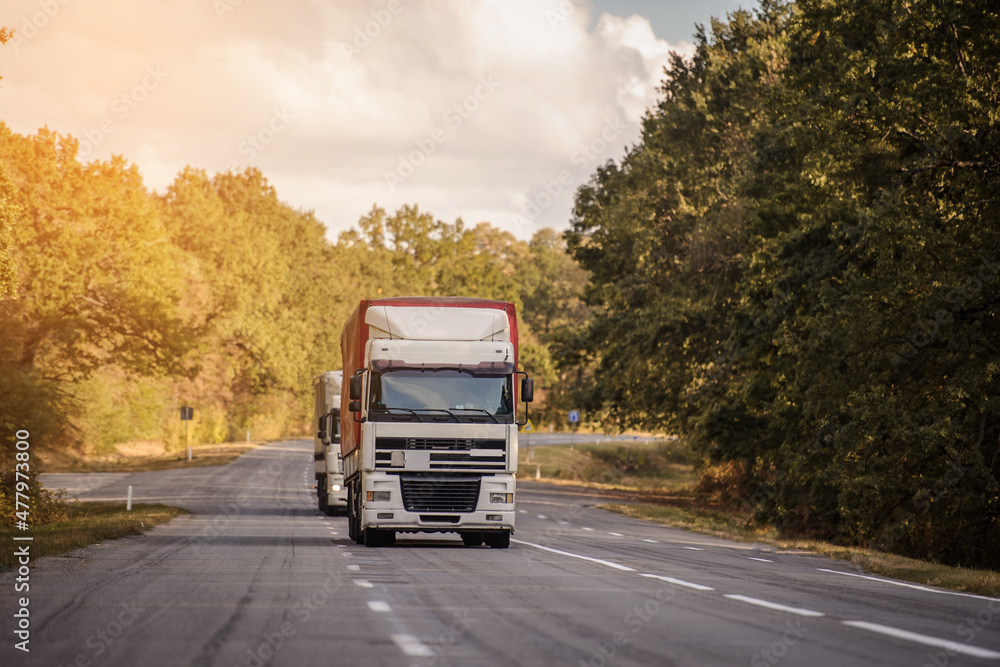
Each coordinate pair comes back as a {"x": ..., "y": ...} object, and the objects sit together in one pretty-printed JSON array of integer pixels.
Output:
[
  {"x": 410, "y": 645},
  {"x": 775, "y": 606},
  {"x": 950, "y": 646},
  {"x": 572, "y": 555},
  {"x": 679, "y": 582}
]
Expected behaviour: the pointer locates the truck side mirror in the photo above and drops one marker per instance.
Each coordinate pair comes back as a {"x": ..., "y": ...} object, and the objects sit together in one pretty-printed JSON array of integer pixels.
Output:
[
  {"x": 527, "y": 390},
  {"x": 355, "y": 393},
  {"x": 354, "y": 406},
  {"x": 321, "y": 436}
]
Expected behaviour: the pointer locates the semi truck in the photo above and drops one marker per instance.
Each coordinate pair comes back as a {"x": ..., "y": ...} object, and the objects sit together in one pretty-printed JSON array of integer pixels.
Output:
[
  {"x": 430, "y": 420},
  {"x": 329, "y": 466}
]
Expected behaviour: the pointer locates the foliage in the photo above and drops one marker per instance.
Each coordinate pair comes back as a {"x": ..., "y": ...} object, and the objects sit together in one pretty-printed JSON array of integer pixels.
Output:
[
  {"x": 44, "y": 505},
  {"x": 126, "y": 305},
  {"x": 797, "y": 269},
  {"x": 8, "y": 217}
]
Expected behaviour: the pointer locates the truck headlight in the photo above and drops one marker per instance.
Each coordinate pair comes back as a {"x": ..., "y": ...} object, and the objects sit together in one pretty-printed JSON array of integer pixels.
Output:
[
  {"x": 379, "y": 496},
  {"x": 501, "y": 497},
  {"x": 335, "y": 487}
]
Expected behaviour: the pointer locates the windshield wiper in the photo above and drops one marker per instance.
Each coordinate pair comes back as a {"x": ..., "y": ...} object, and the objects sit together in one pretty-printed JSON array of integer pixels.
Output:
[
  {"x": 415, "y": 410},
  {"x": 389, "y": 411},
  {"x": 485, "y": 412}
]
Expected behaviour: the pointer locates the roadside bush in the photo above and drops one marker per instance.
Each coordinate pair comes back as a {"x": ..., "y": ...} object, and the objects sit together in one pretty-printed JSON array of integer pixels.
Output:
[{"x": 43, "y": 505}]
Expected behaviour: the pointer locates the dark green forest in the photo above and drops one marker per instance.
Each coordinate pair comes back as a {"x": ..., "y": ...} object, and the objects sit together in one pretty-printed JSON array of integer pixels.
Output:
[{"x": 796, "y": 268}]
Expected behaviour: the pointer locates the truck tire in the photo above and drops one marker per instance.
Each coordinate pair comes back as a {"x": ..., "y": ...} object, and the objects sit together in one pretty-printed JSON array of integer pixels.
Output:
[
  {"x": 321, "y": 495},
  {"x": 472, "y": 539},
  {"x": 375, "y": 537},
  {"x": 498, "y": 540},
  {"x": 353, "y": 529}
]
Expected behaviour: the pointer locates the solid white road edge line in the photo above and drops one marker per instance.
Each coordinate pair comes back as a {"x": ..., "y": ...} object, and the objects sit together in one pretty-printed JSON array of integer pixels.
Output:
[
  {"x": 775, "y": 606},
  {"x": 566, "y": 553},
  {"x": 410, "y": 645},
  {"x": 949, "y": 646},
  {"x": 679, "y": 582},
  {"x": 762, "y": 560},
  {"x": 916, "y": 587}
]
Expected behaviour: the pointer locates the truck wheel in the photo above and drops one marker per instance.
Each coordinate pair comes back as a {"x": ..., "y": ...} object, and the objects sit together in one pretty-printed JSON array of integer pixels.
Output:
[
  {"x": 472, "y": 539},
  {"x": 321, "y": 495},
  {"x": 498, "y": 540},
  {"x": 353, "y": 530}
]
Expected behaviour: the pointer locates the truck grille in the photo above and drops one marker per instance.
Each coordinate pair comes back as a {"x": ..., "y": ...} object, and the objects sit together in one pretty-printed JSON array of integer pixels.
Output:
[
  {"x": 439, "y": 494},
  {"x": 461, "y": 460},
  {"x": 452, "y": 444}
]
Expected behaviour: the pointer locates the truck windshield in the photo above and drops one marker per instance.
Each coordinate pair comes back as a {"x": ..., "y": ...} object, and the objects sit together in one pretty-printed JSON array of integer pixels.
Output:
[{"x": 429, "y": 394}]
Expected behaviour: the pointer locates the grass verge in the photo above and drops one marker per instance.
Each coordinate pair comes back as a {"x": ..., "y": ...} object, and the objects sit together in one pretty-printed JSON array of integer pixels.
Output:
[
  {"x": 659, "y": 481},
  {"x": 653, "y": 467},
  {"x": 87, "y": 523}
]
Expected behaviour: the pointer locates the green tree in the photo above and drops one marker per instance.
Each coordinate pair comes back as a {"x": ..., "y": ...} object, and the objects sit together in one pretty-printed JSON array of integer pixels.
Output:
[
  {"x": 870, "y": 306},
  {"x": 95, "y": 284},
  {"x": 8, "y": 212},
  {"x": 795, "y": 269},
  {"x": 663, "y": 234},
  {"x": 8, "y": 220},
  {"x": 263, "y": 286},
  {"x": 96, "y": 274}
]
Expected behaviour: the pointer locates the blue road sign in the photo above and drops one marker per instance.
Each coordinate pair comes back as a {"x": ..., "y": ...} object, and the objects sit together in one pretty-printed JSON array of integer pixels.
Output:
[{"x": 574, "y": 416}]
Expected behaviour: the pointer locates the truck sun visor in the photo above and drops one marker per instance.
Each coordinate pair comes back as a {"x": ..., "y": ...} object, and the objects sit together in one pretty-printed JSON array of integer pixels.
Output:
[{"x": 482, "y": 368}]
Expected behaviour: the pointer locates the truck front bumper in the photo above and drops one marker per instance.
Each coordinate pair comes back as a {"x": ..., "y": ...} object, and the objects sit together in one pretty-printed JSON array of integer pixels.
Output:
[{"x": 427, "y": 522}]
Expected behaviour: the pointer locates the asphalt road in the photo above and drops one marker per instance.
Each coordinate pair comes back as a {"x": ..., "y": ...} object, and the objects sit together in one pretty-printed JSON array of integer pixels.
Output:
[{"x": 257, "y": 577}]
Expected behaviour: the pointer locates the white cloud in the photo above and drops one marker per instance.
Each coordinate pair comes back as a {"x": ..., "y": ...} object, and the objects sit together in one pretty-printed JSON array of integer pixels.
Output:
[{"x": 486, "y": 103}]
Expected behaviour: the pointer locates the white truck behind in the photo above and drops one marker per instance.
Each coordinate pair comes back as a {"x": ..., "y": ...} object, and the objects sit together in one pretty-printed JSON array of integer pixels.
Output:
[{"x": 329, "y": 466}]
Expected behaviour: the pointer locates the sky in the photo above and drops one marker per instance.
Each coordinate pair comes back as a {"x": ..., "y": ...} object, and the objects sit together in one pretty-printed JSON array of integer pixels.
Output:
[{"x": 484, "y": 110}]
